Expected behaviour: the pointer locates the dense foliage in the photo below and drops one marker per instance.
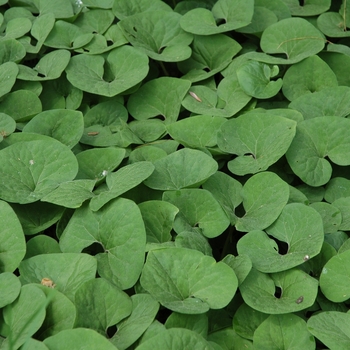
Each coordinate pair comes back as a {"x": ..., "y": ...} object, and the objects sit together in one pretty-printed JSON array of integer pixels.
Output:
[{"x": 174, "y": 174}]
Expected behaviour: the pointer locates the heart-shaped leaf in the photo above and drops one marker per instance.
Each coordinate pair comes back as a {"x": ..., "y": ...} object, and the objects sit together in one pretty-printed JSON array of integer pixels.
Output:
[{"x": 187, "y": 281}]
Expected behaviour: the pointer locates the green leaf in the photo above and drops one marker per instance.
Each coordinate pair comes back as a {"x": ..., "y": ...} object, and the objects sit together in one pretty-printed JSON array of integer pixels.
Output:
[
  {"x": 225, "y": 16},
  {"x": 196, "y": 323},
  {"x": 198, "y": 210},
  {"x": 193, "y": 240},
  {"x": 334, "y": 279},
  {"x": 306, "y": 77},
  {"x": 60, "y": 10},
  {"x": 68, "y": 36},
  {"x": 41, "y": 244},
  {"x": 316, "y": 139},
  {"x": 337, "y": 187},
  {"x": 228, "y": 339},
  {"x": 331, "y": 216},
  {"x": 226, "y": 101},
  {"x": 8, "y": 74},
  {"x": 197, "y": 131},
  {"x": 226, "y": 190},
  {"x": 295, "y": 291},
  {"x": 144, "y": 311},
  {"x": 241, "y": 265},
  {"x": 119, "y": 229},
  {"x": 96, "y": 163},
  {"x": 63, "y": 125},
  {"x": 246, "y": 320},
  {"x": 21, "y": 105},
  {"x": 262, "y": 18},
  {"x": 258, "y": 139},
  {"x": 95, "y": 21},
  {"x": 67, "y": 271},
  {"x": 37, "y": 217},
  {"x": 42, "y": 26},
  {"x": 7, "y": 125},
  {"x": 255, "y": 79},
  {"x": 332, "y": 24},
  {"x": 264, "y": 197},
  {"x": 71, "y": 194},
  {"x": 290, "y": 227},
  {"x": 49, "y": 67},
  {"x": 100, "y": 305},
  {"x": 309, "y": 7},
  {"x": 78, "y": 338},
  {"x": 176, "y": 338},
  {"x": 210, "y": 55},
  {"x": 294, "y": 45},
  {"x": 332, "y": 328},
  {"x": 13, "y": 245},
  {"x": 148, "y": 130},
  {"x": 60, "y": 314},
  {"x": 183, "y": 168},
  {"x": 279, "y": 332},
  {"x": 158, "y": 34},
  {"x": 159, "y": 97},
  {"x": 158, "y": 217},
  {"x": 32, "y": 169},
  {"x": 187, "y": 281},
  {"x": 11, "y": 51},
  {"x": 127, "y": 8},
  {"x": 10, "y": 287},
  {"x": 24, "y": 316},
  {"x": 332, "y": 101},
  {"x": 122, "y": 181},
  {"x": 16, "y": 28},
  {"x": 123, "y": 68}
]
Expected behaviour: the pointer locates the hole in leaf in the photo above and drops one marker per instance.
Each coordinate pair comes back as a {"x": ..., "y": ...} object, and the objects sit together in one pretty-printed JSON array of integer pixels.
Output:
[
  {"x": 134, "y": 29},
  {"x": 108, "y": 76},
  {"x": 278, "y": 292},
  {"x": 94, "y": 249},
  {"x": 301, "y": 2}
]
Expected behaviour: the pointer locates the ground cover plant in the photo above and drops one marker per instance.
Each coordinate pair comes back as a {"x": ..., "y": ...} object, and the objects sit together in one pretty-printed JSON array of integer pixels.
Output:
[{"x": 174, "y": 174}]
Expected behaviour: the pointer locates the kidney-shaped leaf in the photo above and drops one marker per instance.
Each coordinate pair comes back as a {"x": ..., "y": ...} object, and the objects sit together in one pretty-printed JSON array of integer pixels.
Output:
[
  {"x": 316, "y": 139},
  {"x": 13, "y": 245},
  {"x": 183, "y": 168},
  {"x": 299, "y": 226},
  {"x": 198, "y": 209},
  {"x": 7, "y": 125},
  {"x": 279, "y": 293},
  {"x": 332, "y": 328},
  {"x": 100, "y": 305},
  {"x": 264, "y": 196},
  {"x": 120, "y": 230},
  {"x": 66, "y": 271},
  {"x": 123, "y": 68},
  {"x": 186, "y": 281},
  {"x": 31, "y": 169},
  {"x": 158, "y": 34},
  {"x": 64, "y": 125},
  {"x": 258, "y": 139},
  {"x": 8, "y": 74},
  {"x": 333, "y": 101},
  {"x": 226, "y": 15},
  {"x": 159, "y": 97}
]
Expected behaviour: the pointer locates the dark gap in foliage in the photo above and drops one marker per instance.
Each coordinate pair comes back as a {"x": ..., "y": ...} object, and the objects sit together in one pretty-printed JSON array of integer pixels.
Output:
[
  {"x": 111, "y": 331},
  {"x": 220, "y": 21},
  {"x": 282, "y": 246},
  {"x": 278, "y": 292},
  {"x": 163, "y": 314},
  {"x": 301, "y": 2},
  {"x": 94, "y": 249}
]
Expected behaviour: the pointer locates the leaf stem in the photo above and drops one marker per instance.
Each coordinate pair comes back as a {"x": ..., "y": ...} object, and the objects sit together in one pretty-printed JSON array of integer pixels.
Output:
[{"x": 163, "y": 68}]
